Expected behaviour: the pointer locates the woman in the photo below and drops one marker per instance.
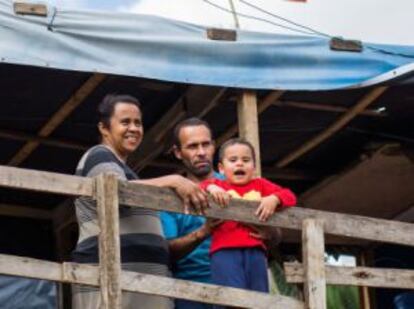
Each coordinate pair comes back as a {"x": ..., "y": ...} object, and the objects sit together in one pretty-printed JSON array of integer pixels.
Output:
[{"x": 143, "y": 247}]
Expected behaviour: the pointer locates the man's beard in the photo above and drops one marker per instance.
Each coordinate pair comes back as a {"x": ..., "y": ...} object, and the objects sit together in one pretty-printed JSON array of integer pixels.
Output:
[{"x": 198, "y": 172}]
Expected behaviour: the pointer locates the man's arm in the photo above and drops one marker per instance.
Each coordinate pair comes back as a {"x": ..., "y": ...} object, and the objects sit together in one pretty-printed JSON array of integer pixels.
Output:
[{"x": 181, "y": 246}]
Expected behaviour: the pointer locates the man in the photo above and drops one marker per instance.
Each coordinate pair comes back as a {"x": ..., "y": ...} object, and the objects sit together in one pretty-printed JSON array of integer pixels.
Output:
[
  {"x": 194, "y": 146},
  {"x": 189, "y": 236}
]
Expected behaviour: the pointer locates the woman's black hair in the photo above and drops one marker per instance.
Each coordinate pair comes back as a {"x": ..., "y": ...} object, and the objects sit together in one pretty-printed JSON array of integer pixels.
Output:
[{"x": 107, "y": 106}]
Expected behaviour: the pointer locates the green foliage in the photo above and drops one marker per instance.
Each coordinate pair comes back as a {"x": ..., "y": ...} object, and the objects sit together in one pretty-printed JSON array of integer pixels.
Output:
[{"x": 342, "y": 297}]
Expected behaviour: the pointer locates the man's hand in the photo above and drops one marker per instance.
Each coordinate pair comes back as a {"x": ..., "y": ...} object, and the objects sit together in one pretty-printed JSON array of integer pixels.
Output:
[
  {"x": 206, "y": 229},
  {"x": 267, "y": 207},
  {"x": 269, "y": 234},
  {"x": 191, "y": 194},
  {"x": 219, "y": 195}
]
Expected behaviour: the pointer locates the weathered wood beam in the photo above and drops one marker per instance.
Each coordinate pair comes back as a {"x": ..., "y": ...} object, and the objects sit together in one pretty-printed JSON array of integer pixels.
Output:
[
  {"x": 368, "y": 99},
  {"x": 334, "y": 223},
  {"x": 262, "y": 106},
  {"x": 20, "y": 136},
  {"x": 144, "y": 283},
  {"x": 65, "y": 110},
  {"x": 357, "y": 276},
  {"x": 18, "y": 178},
  {"x": 25, "y": 212},
  {"x": 327, "y": 108},
  {"x": 197, "y": 101},
  {"x": 109, "y": 241},
  {"x": 248, "y": 121},
  {"x": 313, "y": 256},
  {"x": 165, "y": 199}
]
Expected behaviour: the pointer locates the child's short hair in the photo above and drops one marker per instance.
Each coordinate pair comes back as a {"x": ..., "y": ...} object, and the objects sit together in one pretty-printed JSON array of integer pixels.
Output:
[{"x": 236, "y": 141}]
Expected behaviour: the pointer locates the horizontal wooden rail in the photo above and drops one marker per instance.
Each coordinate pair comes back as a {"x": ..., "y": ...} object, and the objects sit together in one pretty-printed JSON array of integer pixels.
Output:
[
  {"x": 19, "y": 178},
  {"x": 360, "y": 276},
  {"x": 144, "y": 283},
  {"x": 334, "y": 223},
  {"x": 165, "y": 199}
]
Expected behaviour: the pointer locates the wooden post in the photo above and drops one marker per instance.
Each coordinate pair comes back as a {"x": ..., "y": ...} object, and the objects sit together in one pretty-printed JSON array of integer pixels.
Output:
[
  {"x": 364, "y": 296},
  {"x": 249, "y": 123},
  {"x": 109, "y": 241},
  {"x": 313, "y": 251}
]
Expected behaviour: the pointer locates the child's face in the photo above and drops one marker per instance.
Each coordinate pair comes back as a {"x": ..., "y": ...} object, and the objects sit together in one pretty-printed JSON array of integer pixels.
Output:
[{"x": 237, "y": 164}]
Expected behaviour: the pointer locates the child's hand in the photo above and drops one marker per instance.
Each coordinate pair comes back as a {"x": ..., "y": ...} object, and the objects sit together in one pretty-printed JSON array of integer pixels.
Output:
[
  {"x": 267, "y": 207},
  {"x": 220, "y": 196}
]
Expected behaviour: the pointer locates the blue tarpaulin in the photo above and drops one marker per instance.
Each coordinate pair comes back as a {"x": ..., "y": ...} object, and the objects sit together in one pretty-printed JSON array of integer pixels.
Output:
[{"x": 158, "y": 48}]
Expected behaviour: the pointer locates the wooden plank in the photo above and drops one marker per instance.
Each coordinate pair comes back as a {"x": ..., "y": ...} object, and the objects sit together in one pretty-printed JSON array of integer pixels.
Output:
[
  {"x": 262, "y": 106},
  {"x": 20, "y": 136},
  {"x": 248, "y": 120},
  {"x": 109, "y": 241},
  {"x": 18, "y": 178},
  {"x": 313, "y": 256},
  {"x": 363, "y": 103},
  {"x": 25, "y": 212},
  {"x": 334, "y": 223},
  {"x": 30, "y": 9},
  {"x": 65, "y": 110},
  {"x": 144, "y": 283},
  {"x": 357, "y": 276},
  {"x": 197, "y": 102},
  {"x": 217, "y": 34},
  {"x": 327, "y": 108}
]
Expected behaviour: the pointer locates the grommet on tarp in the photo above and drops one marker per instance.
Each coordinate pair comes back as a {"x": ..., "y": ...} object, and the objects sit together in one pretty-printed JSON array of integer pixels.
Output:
[
  {"x": 22, "y": 8},
  {"x": 341, "y": 44},
  {"x": 221, "y": 34}
]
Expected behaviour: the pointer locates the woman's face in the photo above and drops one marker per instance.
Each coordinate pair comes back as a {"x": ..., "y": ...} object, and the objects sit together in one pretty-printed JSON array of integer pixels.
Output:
[{"x": 125, "y": 130}]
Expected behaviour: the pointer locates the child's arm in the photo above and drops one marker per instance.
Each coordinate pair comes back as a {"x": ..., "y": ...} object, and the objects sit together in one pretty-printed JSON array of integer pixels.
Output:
[
  {"x": 275, "y": 196},
  {"x": 267, "y": 207},
  {"x": 220, "y": 196}
]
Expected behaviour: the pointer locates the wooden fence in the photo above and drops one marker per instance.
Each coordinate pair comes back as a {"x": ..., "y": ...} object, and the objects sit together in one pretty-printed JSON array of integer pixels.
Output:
[{"x": 109, "y": 192}]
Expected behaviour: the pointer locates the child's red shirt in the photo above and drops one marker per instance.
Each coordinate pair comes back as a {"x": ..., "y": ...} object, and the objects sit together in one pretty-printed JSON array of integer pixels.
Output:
[{"x": 232, "y": 234}]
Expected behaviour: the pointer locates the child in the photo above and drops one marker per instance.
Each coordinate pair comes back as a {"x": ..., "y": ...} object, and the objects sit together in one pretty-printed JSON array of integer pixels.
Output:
[{"x": 238, "y": 259}]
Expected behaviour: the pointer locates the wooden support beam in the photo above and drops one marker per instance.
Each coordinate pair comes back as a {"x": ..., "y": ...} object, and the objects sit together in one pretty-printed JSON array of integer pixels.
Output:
[
  {"x": 19, "y": 178},
  {"x": 313, "y": 256},
  {"x": 327, "y": 108},
  {"x": 357, "y": 276},
  {"x": 109, "y": 241},
  {"x": 144, "y": 283},
  {"x": 248, "y": 121},
  {"x": 66, "y": 109},
  {"x": 368, "y": 99},
  {"x": 20, "y": 136},
  {"x": 25, "y": 212},
  {"x": 262, "y": 106},
  {"x": 135, "y": 195},
  {"x": 197, "y": 102}
]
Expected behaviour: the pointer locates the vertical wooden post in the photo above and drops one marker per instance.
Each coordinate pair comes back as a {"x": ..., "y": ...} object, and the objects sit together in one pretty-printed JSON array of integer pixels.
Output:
[
  {"x": 364, "y": 296},
  {"x": 109, "y": 241},
  {"x": 313, "y": 255},
  {"x": 249, "y": 123}
]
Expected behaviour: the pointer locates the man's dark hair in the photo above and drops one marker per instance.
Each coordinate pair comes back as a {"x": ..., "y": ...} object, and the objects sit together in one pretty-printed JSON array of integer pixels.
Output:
[
  {"x": 190, "y": 122},
  {"x": 236, "y": 141},
  {"x": 107, "y": 106}
]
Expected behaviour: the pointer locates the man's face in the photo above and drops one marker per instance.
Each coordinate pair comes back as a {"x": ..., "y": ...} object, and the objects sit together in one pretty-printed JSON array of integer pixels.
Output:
[{"x": 196, "y": 151}]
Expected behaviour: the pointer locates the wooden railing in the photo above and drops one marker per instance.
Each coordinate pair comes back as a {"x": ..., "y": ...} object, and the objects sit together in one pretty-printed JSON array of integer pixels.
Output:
[{"x": 109, "y": 192}]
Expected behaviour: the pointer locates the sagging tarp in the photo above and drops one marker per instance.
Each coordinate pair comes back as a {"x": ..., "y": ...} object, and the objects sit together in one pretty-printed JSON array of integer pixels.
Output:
[{"x": 157, "y": 48}]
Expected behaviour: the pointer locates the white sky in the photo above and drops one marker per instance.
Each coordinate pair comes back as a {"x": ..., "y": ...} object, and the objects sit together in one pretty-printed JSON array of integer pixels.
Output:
[{"x": 380, "y": 21}]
